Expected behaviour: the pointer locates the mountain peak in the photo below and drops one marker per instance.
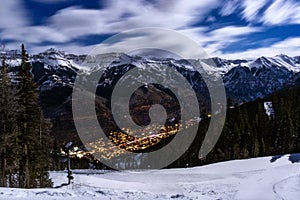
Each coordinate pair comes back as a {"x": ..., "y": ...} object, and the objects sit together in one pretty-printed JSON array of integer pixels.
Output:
[{"x": 53, "y": 51}]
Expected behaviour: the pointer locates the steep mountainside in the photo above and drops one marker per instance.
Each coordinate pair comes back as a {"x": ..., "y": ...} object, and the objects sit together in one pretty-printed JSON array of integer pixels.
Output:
[{"x": 244, "y": 80}]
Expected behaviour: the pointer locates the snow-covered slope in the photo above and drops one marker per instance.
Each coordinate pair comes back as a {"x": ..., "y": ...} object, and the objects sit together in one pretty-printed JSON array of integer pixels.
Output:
[{"x": 257, "y": 178}]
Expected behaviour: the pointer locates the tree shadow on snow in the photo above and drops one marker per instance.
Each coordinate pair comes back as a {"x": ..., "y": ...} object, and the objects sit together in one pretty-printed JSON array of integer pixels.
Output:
[{"x": 294, "y": 158}]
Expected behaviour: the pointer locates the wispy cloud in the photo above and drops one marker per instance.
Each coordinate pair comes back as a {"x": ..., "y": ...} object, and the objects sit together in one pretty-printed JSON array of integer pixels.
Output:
[
  {"x": 216, "y": 40},
  {"x": 268, "y": 12},
  {"x": 289, "y": 46},
  {"x": 123, "y": 15},
  {"x": 12, "y": 14},
  {"x": 229, "y": 7},
  {"x": 251, "y": 9},
  {"x": 72, "y": 23},
  {"x": 33, "y": 34},
  {"x": 67, "y": 27},
  {"x": 282, "y": 12}
]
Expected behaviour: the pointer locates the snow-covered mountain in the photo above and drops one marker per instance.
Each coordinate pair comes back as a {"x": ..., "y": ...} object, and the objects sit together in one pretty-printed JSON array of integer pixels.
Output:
[
  {"x": 244, "y": 80},
  {"x": 251, "y": 79},
  {"x": 266, "y": 178}
]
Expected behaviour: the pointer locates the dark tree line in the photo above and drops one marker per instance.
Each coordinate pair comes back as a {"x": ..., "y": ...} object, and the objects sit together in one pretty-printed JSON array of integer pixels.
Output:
[
  {"x": 25, "y": 142},
  {"x": 250, "y": 132}
]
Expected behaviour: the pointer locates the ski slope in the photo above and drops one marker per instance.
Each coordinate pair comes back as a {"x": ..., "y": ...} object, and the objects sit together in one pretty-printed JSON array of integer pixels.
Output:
[{"x": 251, "y": 179}]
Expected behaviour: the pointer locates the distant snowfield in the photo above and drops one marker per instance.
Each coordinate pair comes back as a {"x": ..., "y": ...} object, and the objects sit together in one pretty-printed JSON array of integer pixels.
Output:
[{"x": 253, "y": 179}]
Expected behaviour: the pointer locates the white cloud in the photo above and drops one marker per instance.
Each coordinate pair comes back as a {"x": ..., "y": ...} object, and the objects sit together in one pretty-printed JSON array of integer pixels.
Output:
[
  {"x": 229, "y": 7},
  {"x": 33, "y": 34},
  {"x": 214, "y": 41},
  {"x": 277, "y": 13},
  {"x": 233, "y": 31},
  {"x": 251, "y": 8},
  {"x": 282, "y": 12},
  {"x": 12, "y": 14},
  {"x": 12, "y": 46},
  {"x": 211, "y": 19},
  {"x": 151, "y": 38},
  {"x": 73, "y": 23},
  {"x": 119, "y": 16},
  {"x": 290, "y": 42},
  {"x": 225, "y": 36},
  {"x": 290, "y": 46}
]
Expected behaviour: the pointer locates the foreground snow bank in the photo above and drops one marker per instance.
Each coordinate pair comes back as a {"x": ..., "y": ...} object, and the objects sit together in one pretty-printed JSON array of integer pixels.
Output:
[{"x": 256, "y": 178}]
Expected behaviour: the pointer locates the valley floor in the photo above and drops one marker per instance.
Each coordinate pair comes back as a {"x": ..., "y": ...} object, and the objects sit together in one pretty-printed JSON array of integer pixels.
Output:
[{"x": 251, "y": 179}]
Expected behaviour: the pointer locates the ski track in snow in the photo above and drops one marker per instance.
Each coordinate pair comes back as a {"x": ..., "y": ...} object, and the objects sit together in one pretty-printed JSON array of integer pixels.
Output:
[{"x": 250, "y": 179}]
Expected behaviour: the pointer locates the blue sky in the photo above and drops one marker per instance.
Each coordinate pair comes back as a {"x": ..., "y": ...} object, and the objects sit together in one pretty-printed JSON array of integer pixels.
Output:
[{"x": 230, "y": 29}]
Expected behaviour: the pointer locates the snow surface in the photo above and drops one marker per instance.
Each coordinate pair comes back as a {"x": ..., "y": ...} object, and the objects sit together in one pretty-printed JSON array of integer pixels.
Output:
[
  {"x": 252, "y": 179},
  {"x": 269, "y": 108}
]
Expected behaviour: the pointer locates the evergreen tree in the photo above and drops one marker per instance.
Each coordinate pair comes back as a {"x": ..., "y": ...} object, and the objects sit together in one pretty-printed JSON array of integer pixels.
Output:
[
  {"x": 8, "y": 129},
  {"x": 33, "y": 170}
]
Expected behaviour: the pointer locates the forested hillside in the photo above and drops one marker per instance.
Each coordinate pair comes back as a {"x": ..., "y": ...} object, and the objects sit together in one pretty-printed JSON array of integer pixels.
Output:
[{"x": 253, "y": 129}]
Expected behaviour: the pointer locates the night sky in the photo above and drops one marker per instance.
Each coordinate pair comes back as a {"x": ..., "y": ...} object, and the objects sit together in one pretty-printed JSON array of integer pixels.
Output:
[{"x": 230, "y": 29}]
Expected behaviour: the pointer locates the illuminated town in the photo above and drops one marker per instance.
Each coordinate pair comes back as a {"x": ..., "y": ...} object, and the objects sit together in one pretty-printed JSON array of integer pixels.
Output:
[{"x": 120, "y": 141}]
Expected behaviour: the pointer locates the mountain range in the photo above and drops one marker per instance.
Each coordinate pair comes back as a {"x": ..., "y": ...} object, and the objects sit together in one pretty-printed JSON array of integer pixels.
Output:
[{"x": 244, "y": 80}]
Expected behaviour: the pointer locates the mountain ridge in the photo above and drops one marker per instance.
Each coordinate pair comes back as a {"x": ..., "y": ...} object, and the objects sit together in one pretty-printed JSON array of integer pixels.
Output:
[{"x": 244, "y": 80}]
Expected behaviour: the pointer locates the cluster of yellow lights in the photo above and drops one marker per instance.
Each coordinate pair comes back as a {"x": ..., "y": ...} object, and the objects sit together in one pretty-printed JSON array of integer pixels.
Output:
[
  {"x": 75, "y": 153},
  {"x": 122, "y": 142}
]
